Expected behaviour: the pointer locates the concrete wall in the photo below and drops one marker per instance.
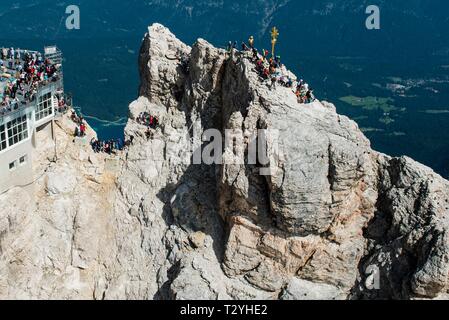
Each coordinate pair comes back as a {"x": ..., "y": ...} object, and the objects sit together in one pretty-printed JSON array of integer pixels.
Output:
[
  {"x": 22, "y": 174},
  {"x": 46, "y": 129}
]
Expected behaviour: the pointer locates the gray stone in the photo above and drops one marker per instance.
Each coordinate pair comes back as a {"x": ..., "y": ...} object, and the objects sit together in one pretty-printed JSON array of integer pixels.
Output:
[
  {"x": 156, "y": 226},
  {"x": 299, "y": 289}
]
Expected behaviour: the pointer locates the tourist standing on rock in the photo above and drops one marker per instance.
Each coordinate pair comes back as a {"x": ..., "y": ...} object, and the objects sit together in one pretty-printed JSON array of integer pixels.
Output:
[
  {"x": 255, "y": 54},
  {"x": 310, "y": 97},
  {"x": 82, "y": 129},
  {"x": 273, "y": 82},
  {"x": 277, "y": 59},
  {"x": 229, "y": 47},
  {"x": 129, "y": 142},
  {"x": 265, "y": 53}
]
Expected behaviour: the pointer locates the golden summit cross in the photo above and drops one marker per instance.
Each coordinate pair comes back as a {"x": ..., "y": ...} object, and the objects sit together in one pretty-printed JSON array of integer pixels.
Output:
[{"x": 274, "y": 39}]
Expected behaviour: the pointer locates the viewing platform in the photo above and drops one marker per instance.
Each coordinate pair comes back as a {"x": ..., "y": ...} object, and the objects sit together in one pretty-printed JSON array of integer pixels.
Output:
[
  {"x": 31, "y": 96},
  {"x": 56, "y": 85}
]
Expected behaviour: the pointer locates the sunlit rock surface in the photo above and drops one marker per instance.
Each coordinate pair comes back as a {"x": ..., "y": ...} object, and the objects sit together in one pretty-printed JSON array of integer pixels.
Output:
[{"x": 334, "y": 220}]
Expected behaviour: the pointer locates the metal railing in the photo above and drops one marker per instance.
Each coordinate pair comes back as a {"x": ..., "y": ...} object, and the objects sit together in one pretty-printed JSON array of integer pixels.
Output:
[
  {"x": 17, "y": 107},
  {"x": 53, "y": 54}
]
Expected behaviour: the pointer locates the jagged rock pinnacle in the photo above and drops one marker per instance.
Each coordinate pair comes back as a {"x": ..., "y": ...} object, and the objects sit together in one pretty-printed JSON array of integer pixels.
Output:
[{"x": 334, "y": 219}]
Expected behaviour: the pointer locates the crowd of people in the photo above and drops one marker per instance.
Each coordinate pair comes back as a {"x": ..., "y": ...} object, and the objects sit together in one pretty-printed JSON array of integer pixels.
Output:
[
  {"x": 150, "y": 121},
  {"x": 80, "y": 129},
  {"x": 22, "y": 73},
  {"x": 304, "y": 93},
  {"x": 270, "y": 69},
  {"x": 98, "y": 146},
  {"x": 109, "y": 146}
]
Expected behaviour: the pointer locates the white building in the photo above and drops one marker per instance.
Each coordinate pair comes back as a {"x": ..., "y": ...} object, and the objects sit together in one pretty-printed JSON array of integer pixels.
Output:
[{"x": 19, "y": 126}]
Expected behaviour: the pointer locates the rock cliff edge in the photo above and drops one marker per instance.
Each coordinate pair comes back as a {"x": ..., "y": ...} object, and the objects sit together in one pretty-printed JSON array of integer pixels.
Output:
[{"x": 333, "y": 219}]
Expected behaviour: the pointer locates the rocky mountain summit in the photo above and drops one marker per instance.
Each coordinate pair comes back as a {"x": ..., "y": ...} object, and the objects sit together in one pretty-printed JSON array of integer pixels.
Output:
[{"x": 333, "y": 219}]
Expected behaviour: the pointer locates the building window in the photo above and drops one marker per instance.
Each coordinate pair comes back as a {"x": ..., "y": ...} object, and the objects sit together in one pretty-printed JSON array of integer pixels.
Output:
[
  {"x": 3, "y": 144},
  {"x": 22, "y": 160},
  {"x": 17, "y": 130},
  {"x": 44, "y": 107},
  {"x": 12, "y": 166}
]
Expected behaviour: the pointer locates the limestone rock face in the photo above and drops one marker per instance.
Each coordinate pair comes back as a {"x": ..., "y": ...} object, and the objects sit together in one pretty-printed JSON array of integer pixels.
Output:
[
  {"x": 323, "y": 217},
  {"x": 305, "y": 290}
]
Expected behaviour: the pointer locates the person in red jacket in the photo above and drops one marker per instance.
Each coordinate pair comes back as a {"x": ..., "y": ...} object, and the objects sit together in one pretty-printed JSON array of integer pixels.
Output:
[{"x": 83, "y": 129}]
